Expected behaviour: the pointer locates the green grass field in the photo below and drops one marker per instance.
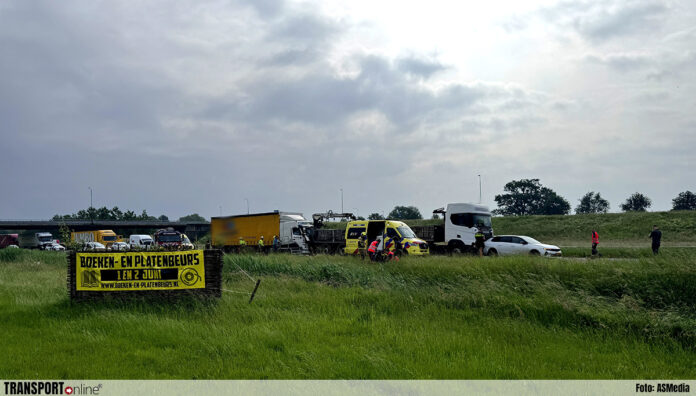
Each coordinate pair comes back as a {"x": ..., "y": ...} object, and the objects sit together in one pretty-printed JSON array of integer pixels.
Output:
[
  {"x": 615, "y": 229},
  {"x": 337, "y": 317}
]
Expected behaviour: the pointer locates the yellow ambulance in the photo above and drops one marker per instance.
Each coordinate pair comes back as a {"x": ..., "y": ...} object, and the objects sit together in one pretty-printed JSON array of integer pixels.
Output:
[{"x": 389, "y": 230}]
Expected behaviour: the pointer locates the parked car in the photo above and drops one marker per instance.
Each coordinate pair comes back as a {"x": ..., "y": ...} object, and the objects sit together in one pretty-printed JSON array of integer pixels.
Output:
[
  {"x": 53, "y": 246},
  {"x": 95, "y": 246},
  {"x": 120, "y": 246},
  {"x": 518, "y": 244}
]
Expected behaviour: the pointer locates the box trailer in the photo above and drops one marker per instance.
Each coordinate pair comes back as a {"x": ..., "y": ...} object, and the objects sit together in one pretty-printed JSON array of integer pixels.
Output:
[{"x": 291, "y": 228}]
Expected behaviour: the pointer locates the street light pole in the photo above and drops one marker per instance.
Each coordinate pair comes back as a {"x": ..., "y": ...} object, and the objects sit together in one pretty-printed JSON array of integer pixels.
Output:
[
  {"x": 341, "y": 200},
  {"x": 90, "y": 205},
  {"x": 247, "y": 202},
  {"x": 479, "y": 188}
]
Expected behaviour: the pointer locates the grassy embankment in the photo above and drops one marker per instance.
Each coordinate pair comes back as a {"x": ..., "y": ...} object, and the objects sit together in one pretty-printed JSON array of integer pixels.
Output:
[
  {"x": 616, "y": 230},
  {"x": 337, "y": 317}
]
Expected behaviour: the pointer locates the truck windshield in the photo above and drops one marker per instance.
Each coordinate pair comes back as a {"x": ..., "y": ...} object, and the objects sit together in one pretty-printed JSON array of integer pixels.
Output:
[
  {"x": 109, "y": 238},
  {"x": 169, "y": 238},
  {"x": 45, "y": 239},
  {"x": 482, "y": 220},
  {"x": 406, "y": 232}
]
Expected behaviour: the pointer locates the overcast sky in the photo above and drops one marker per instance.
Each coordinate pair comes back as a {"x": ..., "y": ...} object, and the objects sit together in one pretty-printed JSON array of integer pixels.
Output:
[{"x": 192, "y": 106}]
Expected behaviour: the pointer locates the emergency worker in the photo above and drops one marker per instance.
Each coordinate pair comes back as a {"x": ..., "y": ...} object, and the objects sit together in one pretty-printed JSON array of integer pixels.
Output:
[
  {"x": 372, "y": 250},
  {"x": 262, "y": 245},
  {"x": 480, "y": 242}
]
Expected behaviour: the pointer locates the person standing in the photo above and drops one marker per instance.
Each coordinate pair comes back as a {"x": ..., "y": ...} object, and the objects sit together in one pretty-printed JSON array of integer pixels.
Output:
[
  {"x": 595, "y": 242},
  {"x": 656, "y": 236},
  {"x": 276, "y": 243},
  {"x": 262, "y": 245},
  {"x": 480, "y": 242},
  {"x": 372, "y": 250},
  {"x": 362, "y": 241},
  {"x": 242, "y": 245}
]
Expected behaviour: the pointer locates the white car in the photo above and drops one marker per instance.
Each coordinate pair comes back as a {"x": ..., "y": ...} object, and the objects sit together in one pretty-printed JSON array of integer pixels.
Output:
[
  {"x": 95, "y": 246},
  {"x": 53, "y": 246},
  {"x": 120, "y": 246},
  {"x": 517, "y": 244}
]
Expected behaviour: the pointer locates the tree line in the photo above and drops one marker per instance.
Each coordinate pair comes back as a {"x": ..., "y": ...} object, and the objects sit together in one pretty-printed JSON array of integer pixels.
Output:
[
  {"x": 529, "y": 197},
  {"x": 116, "y": 214}
]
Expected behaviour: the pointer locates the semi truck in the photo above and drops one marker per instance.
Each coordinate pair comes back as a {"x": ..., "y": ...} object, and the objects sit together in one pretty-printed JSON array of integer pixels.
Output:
[
  {"x": 36, "y": 240},
  {"x": 457, "y": 232},
  {"x": 291, "y": 228},
  {"x": 105, "y": 237}
]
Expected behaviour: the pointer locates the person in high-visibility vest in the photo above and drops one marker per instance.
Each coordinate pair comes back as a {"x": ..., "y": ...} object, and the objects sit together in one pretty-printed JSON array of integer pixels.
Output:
[
  {"x": 595, "y": 242},
  {"x": 361, "y": 245},
  {"x": 242, "y": 245},
  {"x": 480, "y": 242},
  {"x": 372, "y": 250},
  {"x": 262, "y": 245}
]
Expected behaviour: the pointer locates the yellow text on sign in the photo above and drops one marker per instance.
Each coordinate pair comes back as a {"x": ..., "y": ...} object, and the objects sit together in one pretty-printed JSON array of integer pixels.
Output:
[{"x": 140, "y": 271}]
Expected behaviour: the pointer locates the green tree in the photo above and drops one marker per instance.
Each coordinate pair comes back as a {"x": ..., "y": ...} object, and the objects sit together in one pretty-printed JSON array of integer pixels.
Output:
[
  {"x": 375, "y": 216},
  {"x": 592, "y": 203},
  {"x": 103, "y": 213},
  {"x": 636, "y": 203},
  {"x": 405, "y": 213},
  {"x": 116, "y": 213},
  {"x": 192, "y": 218},
  {"x": 163, "y": 218},
  {"x": 529, "y": 197},
  {"x": 129, "y": 215},
  {"x": 684, "y": 201}
]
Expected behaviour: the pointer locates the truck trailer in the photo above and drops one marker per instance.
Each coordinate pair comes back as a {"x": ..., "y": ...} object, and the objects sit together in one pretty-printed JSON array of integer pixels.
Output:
[
  {"x": 291, "y": 228},
  {"x": 9, "y": 240},
  {"x": 105, "y": 237}
]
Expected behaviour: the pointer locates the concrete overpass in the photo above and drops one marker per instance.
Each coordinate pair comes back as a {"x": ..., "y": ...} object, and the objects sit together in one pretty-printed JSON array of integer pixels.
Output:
[{"x": 193, "y": 230}]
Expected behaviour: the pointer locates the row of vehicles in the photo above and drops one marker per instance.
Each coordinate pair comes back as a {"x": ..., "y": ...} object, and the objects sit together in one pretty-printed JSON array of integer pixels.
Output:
[
  {"x": 168, "y": 239},
  {"x": 101, "y": 240},
  {"x": 456, "y": 234}
]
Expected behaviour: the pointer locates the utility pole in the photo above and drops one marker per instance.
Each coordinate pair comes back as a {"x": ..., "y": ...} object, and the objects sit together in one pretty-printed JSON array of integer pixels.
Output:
[
  {"x": 91, "y": 217},
  {"x": 247, "y": 202},
  {"x": 479, "y": 188},
  {"x": 341, "y": 200}
]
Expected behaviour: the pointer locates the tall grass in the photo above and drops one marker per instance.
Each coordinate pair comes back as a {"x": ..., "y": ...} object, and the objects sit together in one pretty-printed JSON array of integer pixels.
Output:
[{"x": 339, "y": 317}]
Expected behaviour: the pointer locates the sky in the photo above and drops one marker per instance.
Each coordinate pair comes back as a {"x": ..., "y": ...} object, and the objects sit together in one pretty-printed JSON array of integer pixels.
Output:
[{"x": 202, "y": 106}]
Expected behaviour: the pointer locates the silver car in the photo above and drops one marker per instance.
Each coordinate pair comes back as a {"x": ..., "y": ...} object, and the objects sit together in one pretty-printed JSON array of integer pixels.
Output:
[
  {"x": 120, "y": 246},
  {"x": 95, "y": 246},
  {"x": 53, "y": 246}
]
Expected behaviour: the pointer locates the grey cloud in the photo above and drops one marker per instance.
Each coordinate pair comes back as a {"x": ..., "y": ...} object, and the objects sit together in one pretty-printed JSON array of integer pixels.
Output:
[
  {"x": 622, "y": 62},
  {"x": 609, "y": 22},
  {"x": 419, "y": 67},
  {"x": 599, "y": 20}
]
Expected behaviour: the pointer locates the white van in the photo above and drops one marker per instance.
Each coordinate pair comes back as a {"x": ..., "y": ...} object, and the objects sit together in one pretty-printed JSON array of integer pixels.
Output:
[{"x": 139, "y": 241}]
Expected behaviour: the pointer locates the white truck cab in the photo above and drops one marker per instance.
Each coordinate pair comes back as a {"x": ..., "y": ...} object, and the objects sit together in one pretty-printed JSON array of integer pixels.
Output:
[
  {"x": 293, "y": 231},
  {"x": 462, "y": 222}
]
